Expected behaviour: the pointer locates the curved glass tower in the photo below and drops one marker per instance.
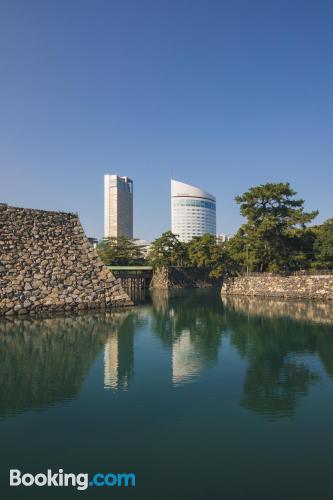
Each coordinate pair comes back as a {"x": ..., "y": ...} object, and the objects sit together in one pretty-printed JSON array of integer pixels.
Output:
[{"x": 193, "y": 211}]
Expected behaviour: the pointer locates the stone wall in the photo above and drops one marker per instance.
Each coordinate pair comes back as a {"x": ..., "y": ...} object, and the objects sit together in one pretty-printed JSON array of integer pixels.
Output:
[
  {"x": 182, "y": 277},
  {"x": 300, "y": 286},
  {"x": 47, "y": 264}
]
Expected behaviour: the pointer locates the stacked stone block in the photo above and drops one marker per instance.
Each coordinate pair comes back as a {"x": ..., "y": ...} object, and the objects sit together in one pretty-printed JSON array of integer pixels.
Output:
[
  {"x": 265, "y": 285},
  {"x": 47, "y": 264}
]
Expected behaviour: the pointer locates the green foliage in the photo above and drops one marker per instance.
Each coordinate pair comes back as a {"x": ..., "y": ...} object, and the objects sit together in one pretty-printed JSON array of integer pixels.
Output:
[
  {"x": 202, "y": 251},
  {"x": 323, "y": 246},
  {"x": 121, "y": 252},
  {"x": 274, "y": 237},
  {"x": 205, "y": 252},
  {"x": 167, "y": 251}
]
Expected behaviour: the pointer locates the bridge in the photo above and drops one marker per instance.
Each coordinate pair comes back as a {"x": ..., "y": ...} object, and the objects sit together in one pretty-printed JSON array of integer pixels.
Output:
[{"x": 133, "y": 278}]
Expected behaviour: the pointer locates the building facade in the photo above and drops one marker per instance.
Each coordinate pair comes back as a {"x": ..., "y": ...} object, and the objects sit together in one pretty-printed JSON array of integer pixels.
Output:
[
  {"x": 222, "y": 238},
  {"x": 118, "y": 206},
  {"x": 193, "y": 211}
]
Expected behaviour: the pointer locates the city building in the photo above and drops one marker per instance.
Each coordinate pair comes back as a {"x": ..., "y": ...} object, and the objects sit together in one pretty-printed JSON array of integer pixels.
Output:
[
  {"x": 193, "y": 211},
  {"x": 118, "y": 206},
  {"x": 221, "y": 238},
  {"x": 145, "y": 246}
]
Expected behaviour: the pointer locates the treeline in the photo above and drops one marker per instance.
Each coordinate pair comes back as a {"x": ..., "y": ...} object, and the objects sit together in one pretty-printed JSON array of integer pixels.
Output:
[{"x": 278, "y": 236}]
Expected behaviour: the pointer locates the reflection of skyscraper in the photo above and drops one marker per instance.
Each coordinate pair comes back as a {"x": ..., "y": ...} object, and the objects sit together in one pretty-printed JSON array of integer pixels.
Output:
[
  {"x": 111, "y": 363},
  {"x": 186, "y": 360},
  {"x": 119, "y": 359},
  {"x": 118, "y": 206}
]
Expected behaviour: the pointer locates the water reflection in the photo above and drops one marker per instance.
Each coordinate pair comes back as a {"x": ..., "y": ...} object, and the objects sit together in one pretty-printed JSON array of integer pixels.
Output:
[
  {"x": 285, "y": 348},
  {"x": 119, "y": 355},
  {"x": 44, "y": 362},
  {"x": 280, "y": 342},
  {"x": 299, "y": 310},
  {"x": 191, "y": 325},
  {"x": 186, "y": 361}
]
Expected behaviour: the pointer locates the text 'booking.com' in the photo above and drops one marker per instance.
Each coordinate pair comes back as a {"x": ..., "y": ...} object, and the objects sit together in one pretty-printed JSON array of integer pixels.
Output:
[{"x": 81, "y": 481}]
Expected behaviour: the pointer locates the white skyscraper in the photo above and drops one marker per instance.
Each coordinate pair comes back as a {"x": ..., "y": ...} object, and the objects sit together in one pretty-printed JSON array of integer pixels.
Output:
[
  {"x": 193, "y": 211},
  {"x": 118, "y": 206}
]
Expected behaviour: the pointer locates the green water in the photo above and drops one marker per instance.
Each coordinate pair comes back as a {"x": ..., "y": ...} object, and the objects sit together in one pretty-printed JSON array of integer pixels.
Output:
[{"x": 202, "y": 399}]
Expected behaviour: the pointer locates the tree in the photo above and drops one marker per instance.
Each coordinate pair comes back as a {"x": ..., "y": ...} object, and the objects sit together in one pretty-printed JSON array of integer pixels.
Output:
[
  {"x": 205, "y": 252},
  {"x": 237, "y": 254},
  {"x": 275, "y": 237},
  {"x": 120, "y": 252},
  {"x": 323, "y": 245},
  {"x": 201, "y": 250},
  {"x": 167, "y": 251}
]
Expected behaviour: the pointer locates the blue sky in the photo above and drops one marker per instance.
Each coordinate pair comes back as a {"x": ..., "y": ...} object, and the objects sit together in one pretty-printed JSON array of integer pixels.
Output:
[{"x": 221, "y": 94}]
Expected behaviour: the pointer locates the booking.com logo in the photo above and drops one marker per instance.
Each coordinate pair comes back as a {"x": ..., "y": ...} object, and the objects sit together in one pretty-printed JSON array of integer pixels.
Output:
[{"x": 81, "y": 481}]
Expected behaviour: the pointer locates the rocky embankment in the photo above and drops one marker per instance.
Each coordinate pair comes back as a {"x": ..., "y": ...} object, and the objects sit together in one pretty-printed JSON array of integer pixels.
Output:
[
  {"x": 47, "y": 264},
  {"x": 265, "y": 285}
]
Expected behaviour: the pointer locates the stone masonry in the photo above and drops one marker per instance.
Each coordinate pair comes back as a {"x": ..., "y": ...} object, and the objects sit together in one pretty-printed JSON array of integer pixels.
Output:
[
  {"x": 182, "y": 277},
  {"x": 47, "y": 264},
  {"x": 265, "y": 285}
]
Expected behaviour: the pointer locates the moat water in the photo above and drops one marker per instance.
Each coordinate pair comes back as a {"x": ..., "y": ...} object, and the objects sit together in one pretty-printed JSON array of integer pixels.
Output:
[{"x": 201, "y": 398}]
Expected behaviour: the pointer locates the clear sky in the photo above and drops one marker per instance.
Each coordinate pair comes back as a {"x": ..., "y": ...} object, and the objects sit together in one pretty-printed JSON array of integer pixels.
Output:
[{"x": 221, "y": 94}]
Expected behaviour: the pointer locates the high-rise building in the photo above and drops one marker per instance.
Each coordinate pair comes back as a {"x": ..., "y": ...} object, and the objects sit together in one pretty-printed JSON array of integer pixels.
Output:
[
  {"x": 193, "y": 211},
  {"x": 222, "y": 238},
  {"x": 118, "y": 206}
]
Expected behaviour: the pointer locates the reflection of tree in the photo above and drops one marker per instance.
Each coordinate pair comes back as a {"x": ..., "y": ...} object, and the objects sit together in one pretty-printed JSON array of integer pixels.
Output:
[
  {"x": 274, "y": 379},
  {"x": 274, "y": 345},
  {"x": 191, "y": 324},
  {"x": 325, "y": 349},
  {"x": 274, "y": 389},
  {"x": 45, "y": 361}
]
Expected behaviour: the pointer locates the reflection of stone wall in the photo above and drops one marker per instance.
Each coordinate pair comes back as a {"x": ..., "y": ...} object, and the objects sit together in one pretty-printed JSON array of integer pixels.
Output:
[
  {"x": 44, "y": 362},
  {"x": 47, "y": 264},
  {"x": 314, "y": 311},
  {"x": 182, "y": 277},
  {"x": 311, "y": 287},
  {"x": 160, "y": 299}
]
